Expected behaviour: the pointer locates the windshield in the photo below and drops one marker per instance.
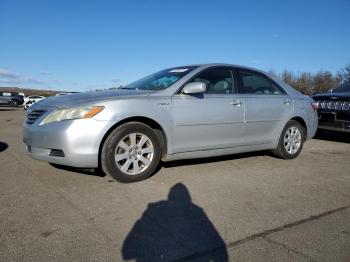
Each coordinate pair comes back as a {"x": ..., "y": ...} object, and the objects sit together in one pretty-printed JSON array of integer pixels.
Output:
[
  {"x": 160, "y": 80},
  {"x": 343, "y": 88}
]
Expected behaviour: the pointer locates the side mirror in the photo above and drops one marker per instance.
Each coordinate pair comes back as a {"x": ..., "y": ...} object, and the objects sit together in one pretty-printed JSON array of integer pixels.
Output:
[{"x": 195, "y": 88}]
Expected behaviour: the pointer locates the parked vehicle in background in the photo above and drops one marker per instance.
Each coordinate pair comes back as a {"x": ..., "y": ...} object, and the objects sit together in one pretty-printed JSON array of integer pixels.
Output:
[
  {"x": 12, "y": 99},
  {"x": 334, "y": 109},
  {"x": 17, "y": 93},
  {"x": 34, "y": 98},
  {"x": 27, "y": 105},
  {"x": 178, "y": 113},
  {"x": 66, "y": 93}
]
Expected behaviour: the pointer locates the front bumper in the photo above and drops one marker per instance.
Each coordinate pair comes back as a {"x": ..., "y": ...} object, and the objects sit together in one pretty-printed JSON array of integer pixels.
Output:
[
  {"x": 79, "y": 140},
  {"x": 341, "y": 126}
]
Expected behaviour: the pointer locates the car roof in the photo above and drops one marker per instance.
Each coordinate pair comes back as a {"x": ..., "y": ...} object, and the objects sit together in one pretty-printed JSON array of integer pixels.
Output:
[{"x": 205, "y": 65}]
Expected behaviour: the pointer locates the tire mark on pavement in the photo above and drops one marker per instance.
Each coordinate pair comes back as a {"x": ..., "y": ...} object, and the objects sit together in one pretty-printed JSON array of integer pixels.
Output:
[
  {"x": 264, "y": 235},
  {"x": 289, "y": 249}
]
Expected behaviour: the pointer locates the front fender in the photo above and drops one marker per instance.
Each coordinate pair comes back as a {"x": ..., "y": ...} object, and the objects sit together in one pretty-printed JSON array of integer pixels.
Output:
[{"x": 156, "y": 110}]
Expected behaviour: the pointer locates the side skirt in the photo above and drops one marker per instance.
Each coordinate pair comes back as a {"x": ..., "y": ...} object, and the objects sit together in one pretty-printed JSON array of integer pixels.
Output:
[{"x": 217, "y": 152}]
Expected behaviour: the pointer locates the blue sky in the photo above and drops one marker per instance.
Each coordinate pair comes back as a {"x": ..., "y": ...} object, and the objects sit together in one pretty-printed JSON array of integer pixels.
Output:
[{"x": 82, "y": 45}]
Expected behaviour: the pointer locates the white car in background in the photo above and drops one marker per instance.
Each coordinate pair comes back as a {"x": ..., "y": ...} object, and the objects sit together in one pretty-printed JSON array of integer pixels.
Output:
[
  {"x": 65, "y": 93},
  {"x": 33, "y": 98},
  {"x": 30, "y": 100}
]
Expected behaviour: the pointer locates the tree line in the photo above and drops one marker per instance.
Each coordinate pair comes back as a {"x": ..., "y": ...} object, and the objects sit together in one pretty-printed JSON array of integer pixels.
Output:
[{"x": 309, "y": 84}]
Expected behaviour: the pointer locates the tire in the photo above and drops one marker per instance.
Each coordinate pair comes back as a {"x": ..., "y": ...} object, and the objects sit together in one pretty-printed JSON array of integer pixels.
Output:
[
  {"x": 14, "y": 103},
  {"x": 296, "y": 142},
  {"x": 131, "y": 152}
]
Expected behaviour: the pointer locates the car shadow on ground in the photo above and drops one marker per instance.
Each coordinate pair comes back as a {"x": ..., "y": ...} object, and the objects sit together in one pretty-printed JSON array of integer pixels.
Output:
[
  {"x": 198, "y": 161},
  {"x": 187, "y": 162},
  {"x": 3, "y": 146},
  {"x": 334, "y": 136},
  {"x": 85, "y": 171},
  {"x": 174, "y": 229}
]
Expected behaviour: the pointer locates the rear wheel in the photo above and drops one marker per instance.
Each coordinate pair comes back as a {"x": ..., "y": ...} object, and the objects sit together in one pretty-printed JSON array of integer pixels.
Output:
[
  {"x": 291, "y": 141},
  {"x": 131, "y": 152},
  {"x": 14, "y": 103}
]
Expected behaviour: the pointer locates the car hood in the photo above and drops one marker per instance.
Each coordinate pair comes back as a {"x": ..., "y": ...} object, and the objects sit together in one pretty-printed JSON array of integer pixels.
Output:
[
  {"x": 333, "y": 96},
  {"x": 72, "y": 100}
]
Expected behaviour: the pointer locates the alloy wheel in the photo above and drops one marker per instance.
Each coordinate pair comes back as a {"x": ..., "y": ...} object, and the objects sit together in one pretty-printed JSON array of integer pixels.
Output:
[
  {"x": 292, "y": 140},
  {"x": 134, "y": 153}
]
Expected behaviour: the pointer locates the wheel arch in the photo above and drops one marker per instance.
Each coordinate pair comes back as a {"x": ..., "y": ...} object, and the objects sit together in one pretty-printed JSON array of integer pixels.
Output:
[
  {"x": 301, "y": 121},
  {"x": 297, "y": 118},
  {"x": 141, "y": 119}
]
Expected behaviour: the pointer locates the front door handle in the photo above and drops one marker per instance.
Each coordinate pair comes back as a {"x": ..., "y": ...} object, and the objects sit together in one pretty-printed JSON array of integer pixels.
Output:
[
  {"x": 236, "y": 103},
  {"x": 286, "y": 101}
]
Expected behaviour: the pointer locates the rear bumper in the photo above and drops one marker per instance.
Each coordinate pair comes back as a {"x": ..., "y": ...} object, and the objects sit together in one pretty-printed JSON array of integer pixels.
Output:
[
  {"x": 311, "y": 126},
  {"x": 78, "y": 140}
]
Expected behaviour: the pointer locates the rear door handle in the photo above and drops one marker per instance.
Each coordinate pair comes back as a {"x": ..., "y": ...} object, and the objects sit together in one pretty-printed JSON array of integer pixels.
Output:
[
  {"x": 236, "y": 103},
  {"x": 286, "y": 101}
]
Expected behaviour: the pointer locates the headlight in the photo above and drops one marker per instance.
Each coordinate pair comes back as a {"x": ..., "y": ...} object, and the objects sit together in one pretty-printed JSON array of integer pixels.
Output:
[{"x": 72, "y": 113}]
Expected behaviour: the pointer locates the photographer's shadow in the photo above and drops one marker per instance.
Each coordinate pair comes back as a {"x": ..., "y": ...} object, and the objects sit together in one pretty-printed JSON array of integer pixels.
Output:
[{"x": 174, "y": 229}]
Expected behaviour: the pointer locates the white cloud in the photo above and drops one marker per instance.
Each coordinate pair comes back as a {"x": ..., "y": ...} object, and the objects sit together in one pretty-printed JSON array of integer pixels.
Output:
[
  {"x": 12, "y": 78},
  {"x": 45, "y": 73},
  {"x": 7, "y": 74}
]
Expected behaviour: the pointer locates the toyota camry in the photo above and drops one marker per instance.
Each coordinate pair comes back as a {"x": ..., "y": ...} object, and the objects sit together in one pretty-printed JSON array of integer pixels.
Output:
[{"x": 182, "y": 112}]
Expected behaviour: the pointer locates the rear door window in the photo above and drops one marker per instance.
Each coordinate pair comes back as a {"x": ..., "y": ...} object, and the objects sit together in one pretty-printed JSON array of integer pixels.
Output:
[{"x": 258, "y": 84}]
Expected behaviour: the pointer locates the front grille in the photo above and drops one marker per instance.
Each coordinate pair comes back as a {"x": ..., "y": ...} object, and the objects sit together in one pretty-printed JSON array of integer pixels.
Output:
[
  {"x": 331, "y": 124},
  {"x": 330, "y": 117},
  {"x": 34, "y": 115},
  {"x": 334, "y": 105},
  {"x": 343, "y": 116}
]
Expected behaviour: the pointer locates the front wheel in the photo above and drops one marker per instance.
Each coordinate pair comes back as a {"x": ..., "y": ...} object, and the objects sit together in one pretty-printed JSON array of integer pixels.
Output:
[
  {"x": 131, "y": 152},
  {"x": 291, "y": 140}
]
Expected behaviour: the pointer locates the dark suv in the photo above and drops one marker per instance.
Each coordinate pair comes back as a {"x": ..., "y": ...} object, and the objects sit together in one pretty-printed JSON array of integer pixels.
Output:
[
  {"x": 334, "y": 109},
  {"x": 12, "y": 99}
]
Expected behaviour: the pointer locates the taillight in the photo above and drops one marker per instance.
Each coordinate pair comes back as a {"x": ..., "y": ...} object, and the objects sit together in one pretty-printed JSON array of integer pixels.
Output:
[{"x": 314, "y": 106}]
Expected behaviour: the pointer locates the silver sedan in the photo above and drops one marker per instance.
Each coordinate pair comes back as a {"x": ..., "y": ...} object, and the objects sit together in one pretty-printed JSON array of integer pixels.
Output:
[{"x": 178, "y": 113}]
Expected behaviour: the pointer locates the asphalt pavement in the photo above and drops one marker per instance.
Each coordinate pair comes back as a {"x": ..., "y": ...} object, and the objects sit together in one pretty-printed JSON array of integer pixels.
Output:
[{"x": 246, "y": 207}]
